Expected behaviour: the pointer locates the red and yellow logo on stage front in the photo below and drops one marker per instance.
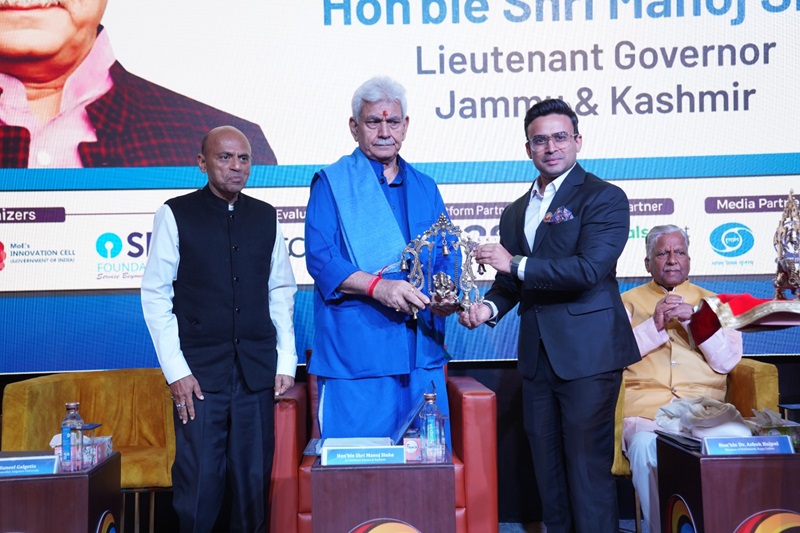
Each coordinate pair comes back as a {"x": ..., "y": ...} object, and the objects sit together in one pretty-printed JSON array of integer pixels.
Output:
[
  {"x": 679, "y": 516},
  {"x": 107, "y": 523},
  {"x": 680, "y": 520},
  {"x": 384, "y": 525},
  {"x": 772, "y": 521}
]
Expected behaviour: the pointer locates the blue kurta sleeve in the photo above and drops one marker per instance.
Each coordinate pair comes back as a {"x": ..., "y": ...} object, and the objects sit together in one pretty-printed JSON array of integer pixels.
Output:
[{"x": 325, "y": 260}]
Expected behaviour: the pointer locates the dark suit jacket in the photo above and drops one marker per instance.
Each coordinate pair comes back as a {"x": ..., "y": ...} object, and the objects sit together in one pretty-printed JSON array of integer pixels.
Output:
[
  {"x": 141, "y": 124},
  {"x": 570, "y": 297}
]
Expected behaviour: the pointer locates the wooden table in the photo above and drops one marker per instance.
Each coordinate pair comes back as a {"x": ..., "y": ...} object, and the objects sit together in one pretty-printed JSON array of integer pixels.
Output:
[
  {"x": 75, "y": 502},
  {"x": 718, "y": 493},
  {"x": 419, "y": 494}
]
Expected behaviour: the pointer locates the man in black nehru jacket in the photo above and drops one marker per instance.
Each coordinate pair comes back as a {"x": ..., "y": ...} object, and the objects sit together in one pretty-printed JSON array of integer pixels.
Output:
[{"x": 218, "y": 299}]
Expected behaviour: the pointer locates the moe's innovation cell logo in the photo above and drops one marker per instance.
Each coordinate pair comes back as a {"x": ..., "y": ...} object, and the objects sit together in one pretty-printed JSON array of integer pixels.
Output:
[
  {"x": 108, "y": 245},
  {"x": 732, "y": 239}
]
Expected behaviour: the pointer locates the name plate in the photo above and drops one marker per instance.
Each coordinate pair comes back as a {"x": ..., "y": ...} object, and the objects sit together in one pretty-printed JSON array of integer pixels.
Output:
[
  {"x": 756, "y": 445},
  {"x": 28, "y": 466},
  {"x": 361, "y": 451}
]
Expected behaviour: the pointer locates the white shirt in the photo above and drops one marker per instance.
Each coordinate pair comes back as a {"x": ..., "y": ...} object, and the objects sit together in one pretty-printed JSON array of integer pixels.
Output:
[
  {"x": 157, "y": 294},
  {"x": 537, "y": 210}
]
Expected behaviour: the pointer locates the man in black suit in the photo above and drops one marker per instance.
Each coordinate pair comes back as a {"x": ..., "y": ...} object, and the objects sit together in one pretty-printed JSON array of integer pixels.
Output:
[{"x": 559, "y": 244}]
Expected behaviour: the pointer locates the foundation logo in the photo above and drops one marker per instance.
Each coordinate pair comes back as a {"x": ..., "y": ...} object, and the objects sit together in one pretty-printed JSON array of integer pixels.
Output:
[
  {"x": 121, "y": 258},
  {"x": 2, "y": 255},
  {"x": 732, "y": 239},
  {"x": 108, "y": 245}
]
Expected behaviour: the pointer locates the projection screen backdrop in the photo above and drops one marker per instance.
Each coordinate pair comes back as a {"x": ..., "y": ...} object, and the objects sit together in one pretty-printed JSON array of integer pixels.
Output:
[{"x": 685, "y": 104}]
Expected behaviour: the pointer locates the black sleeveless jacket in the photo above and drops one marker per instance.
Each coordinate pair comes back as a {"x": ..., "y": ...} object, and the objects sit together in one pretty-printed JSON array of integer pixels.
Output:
[{"x": 222, "y": 289}]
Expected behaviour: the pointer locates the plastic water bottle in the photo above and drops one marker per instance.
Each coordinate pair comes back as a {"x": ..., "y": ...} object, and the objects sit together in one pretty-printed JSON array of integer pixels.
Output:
[
  {"x": 431, "y": 431},
  {"x": 72, "y": 439}
]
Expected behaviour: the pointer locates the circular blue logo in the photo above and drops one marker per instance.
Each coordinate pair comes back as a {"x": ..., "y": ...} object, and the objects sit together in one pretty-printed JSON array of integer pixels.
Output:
[
  {"x": 108, "y": 245},
  {"x": 732, "y": 239}
]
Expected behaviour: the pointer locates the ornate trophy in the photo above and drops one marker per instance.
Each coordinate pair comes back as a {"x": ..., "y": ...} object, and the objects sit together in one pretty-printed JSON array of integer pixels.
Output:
[
  {"x": 442, "y": 284},
  {"x": 787, "y": 246}
]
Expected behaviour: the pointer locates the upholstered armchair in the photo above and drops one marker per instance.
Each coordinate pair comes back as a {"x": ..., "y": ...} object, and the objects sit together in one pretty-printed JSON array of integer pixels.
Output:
[
  {"x": 751, "y": 385},
  {"x": 473, "y": 421},
  {"x": 133, "y": 406}
]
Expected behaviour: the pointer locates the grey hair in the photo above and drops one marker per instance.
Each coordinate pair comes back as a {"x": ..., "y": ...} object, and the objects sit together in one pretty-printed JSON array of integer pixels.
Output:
[
  {"x": 657, "y": 231},
  {"x": 378, "y": 89}
]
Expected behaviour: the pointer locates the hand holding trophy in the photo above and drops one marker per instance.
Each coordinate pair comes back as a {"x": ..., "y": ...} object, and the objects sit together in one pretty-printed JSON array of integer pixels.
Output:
[{"x": 420, "y": 257}]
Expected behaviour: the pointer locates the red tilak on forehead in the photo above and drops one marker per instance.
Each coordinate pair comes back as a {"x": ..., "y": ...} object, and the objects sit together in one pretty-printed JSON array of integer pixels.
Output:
[{"x": 385, "y": 114}]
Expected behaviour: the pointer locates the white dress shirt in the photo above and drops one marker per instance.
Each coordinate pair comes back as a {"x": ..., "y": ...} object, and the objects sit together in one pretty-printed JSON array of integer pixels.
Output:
[{"x": 537, "y": 210}]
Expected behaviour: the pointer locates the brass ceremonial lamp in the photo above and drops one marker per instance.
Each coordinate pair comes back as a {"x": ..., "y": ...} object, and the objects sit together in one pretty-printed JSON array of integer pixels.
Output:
[
  {"x": 787, "y": 246},
  {"x": 452, "y": 240}
]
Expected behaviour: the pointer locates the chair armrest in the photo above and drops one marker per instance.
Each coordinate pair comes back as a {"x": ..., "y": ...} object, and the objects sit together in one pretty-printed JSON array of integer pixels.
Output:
[
  {"x": 473, "y": 428},
  {"x": 290, "y": 441},
  {"x": 313, "y": 405},
  {"x": 753, "y": 385},
  {"x": 291, "y": 412}
]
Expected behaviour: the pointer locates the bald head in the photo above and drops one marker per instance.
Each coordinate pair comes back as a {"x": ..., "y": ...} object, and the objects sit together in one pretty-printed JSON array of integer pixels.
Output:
[
  {"x": 217, "y": 131},
  {"x": 225, "y": 157}
]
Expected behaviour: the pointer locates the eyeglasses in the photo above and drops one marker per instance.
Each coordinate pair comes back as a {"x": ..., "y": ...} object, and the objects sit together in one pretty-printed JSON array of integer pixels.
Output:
[
  {"x": 373, "y": 123},
  {"x": 560, "y": 139}
]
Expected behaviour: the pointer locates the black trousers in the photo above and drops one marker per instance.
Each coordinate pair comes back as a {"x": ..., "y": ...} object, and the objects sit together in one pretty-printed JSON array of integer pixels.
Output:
[
  {"x": 230, "y": 439},
  {"x": 570, "y": 428}
]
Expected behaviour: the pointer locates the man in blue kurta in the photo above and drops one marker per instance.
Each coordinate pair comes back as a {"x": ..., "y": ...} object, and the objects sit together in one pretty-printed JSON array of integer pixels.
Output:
[{"x": 374, "y": 356}]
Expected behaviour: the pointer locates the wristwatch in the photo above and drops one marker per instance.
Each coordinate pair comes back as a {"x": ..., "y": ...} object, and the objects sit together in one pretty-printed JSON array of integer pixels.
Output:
[{"x": 515, "y": 261}]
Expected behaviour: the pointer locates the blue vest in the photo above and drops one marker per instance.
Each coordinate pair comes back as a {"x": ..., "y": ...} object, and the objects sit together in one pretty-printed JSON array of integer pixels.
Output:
[{"x": 222, "y": 289}]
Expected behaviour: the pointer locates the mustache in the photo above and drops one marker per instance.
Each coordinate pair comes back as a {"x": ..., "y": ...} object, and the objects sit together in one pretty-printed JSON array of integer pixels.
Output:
[
  {"x": 383, "y": 142},
  {"x": 30, "y": 3}
]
